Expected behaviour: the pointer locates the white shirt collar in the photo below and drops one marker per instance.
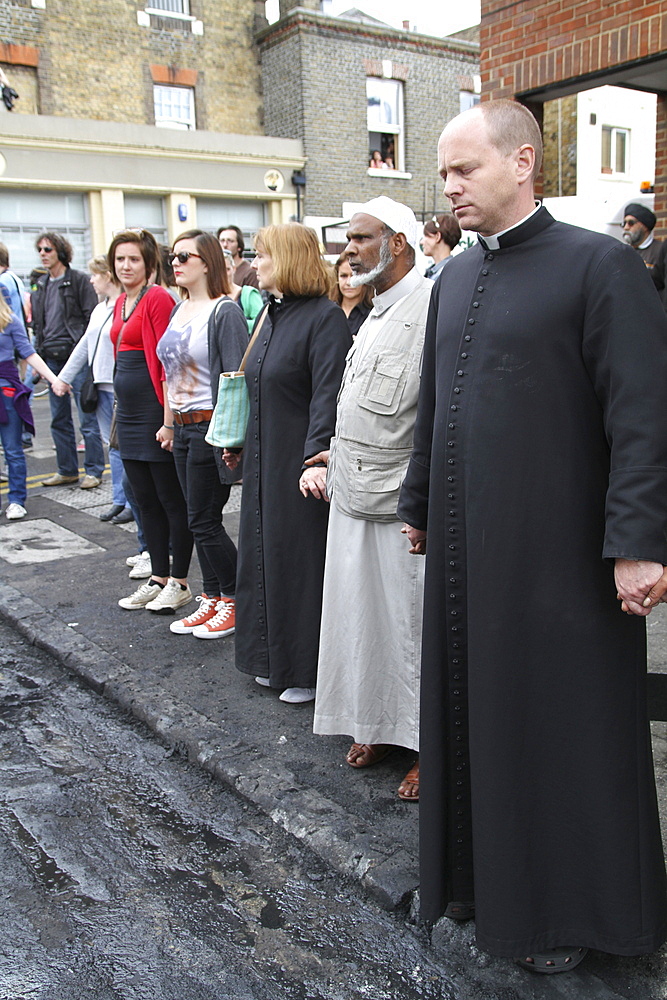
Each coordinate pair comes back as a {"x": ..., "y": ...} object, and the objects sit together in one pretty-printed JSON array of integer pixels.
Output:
[
  {"x": 647, "y": 242},
  {"x": 398, "y": 291},
  {"x": 493, "y": 242}
]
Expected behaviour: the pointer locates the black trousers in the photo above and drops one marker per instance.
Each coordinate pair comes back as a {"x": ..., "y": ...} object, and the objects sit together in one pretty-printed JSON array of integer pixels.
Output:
[
  {"x": 205, "y": 497},
  {"x": 164, "y": 515}
]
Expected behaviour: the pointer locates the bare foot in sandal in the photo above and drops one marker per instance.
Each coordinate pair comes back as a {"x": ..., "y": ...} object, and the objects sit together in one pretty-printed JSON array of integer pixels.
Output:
[
  {"x": 408, "y": 790},
  {"x": 367, "y": 754}
]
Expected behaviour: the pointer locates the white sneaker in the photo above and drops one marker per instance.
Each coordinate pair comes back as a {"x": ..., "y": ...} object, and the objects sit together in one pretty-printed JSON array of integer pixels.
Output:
[
  {"x": 297, "y": 696},
  {"x": 142, "y": 568},
  {"x": 15, "y": 511},
  {"x": 170, "y": 597},
  {"x": 207, "y": 609},
  {"x": 263, "y": 682},
  {"x": 141, "y": 597},
  {"x": 133, "y": 560}
]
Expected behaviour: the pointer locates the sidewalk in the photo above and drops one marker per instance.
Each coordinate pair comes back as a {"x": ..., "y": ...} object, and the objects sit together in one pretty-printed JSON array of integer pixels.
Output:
[{"x": 189, "y": 694}]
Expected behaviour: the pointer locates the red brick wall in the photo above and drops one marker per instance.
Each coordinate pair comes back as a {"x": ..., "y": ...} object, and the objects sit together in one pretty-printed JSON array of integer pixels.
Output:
[{"x": 530, "y": 44}]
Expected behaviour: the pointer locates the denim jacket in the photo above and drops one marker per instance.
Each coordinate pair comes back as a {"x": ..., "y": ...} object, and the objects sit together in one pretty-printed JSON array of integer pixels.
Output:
[{"x": 377, "y": 406}]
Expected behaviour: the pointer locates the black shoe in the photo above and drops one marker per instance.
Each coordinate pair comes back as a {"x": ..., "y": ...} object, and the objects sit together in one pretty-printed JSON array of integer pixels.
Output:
[
  {"x": 124, "y": 517},
  {"x": 112, "y": 512}
]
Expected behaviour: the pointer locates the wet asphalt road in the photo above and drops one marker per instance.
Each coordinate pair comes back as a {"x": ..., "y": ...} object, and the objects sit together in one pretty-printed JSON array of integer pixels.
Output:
[{"x": 127, "y": 873}]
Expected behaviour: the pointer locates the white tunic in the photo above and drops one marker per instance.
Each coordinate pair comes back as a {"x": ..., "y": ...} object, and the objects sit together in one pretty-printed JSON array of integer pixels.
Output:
[{"x": 370, "y": 640}]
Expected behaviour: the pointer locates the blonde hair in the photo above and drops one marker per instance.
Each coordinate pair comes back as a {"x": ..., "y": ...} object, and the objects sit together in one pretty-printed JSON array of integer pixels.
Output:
[
  {"x": 299, "y": 268},
  {"x": 5, "y": 312},
  {"x": 100, "y": 265}
]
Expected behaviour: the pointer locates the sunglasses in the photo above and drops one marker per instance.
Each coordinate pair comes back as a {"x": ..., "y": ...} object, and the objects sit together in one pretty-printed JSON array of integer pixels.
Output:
[
  {"x": 628, "y": 222},
  {"x": 45, "y": 250},
  {"x": 183, "y": 257}
]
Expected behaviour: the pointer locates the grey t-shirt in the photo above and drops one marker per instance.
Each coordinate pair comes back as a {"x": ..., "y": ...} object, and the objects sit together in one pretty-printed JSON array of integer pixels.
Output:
[{"x": 53, "y": 309}]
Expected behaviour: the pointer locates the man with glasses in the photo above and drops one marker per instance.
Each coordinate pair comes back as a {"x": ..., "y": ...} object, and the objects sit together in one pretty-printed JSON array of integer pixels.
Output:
[
  {"x": 638, "y": 225},
  {"x": 61, "y": 308}
]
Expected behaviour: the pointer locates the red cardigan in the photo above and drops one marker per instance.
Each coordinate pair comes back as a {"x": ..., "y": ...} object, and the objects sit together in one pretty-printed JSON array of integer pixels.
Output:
[{"x": 157, "y": 308}]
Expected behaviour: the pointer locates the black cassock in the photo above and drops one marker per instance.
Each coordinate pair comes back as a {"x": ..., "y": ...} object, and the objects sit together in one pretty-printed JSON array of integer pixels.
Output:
[
  {"x": 293, "y": 375},
  {"x": 540, "y": 455}
]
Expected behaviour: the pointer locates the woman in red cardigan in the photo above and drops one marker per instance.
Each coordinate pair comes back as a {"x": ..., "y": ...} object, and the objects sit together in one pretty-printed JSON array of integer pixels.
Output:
[{"x": 144, "y": 421}]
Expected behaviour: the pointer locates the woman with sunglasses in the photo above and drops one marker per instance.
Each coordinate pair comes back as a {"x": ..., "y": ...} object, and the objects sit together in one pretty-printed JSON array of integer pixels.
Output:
[
  {"x": 144, "y": 423},
  {"x": 293, "y": 373},
  {"x": 206, "y": 335}
]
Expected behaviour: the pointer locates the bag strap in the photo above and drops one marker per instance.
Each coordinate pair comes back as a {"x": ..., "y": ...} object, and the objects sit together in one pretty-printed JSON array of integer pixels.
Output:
[
  {"x": 259, "y": 326},
  {"x": 21, "y": 292}
]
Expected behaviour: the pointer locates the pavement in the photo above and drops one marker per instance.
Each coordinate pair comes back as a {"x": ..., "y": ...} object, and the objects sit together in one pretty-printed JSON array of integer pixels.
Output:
[{"x": 62, "y": 572}]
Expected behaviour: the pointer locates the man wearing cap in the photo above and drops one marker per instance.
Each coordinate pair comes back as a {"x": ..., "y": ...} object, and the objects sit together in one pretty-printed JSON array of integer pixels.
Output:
[
  {"x": 370, "y": 643},
  {"x": 638, "y": 225}
]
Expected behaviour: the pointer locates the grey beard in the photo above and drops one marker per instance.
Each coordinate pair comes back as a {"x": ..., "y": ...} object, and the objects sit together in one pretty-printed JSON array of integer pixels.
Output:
[
  {"x": 369, "y": 277},
  {"x": 634, "y": 239}
]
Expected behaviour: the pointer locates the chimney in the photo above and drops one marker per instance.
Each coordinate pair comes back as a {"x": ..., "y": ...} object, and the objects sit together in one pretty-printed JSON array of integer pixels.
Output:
[{"x": 288, "y": 5}]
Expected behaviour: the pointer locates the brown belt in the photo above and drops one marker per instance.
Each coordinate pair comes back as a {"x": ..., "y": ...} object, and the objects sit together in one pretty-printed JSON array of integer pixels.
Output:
[{"x": 192, "y": 416}]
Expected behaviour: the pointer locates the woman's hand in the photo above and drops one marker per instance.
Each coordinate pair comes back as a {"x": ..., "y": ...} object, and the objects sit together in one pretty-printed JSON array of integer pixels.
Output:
[
  {"x": 314, "y": 482},
  {"x": 231, "y": 458},
  {"x": 60, "y": 388},
  {"x": 165, "y": 438}
]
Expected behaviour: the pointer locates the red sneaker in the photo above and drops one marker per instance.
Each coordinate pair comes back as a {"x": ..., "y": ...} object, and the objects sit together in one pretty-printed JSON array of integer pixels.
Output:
[
  {"x": 222, "y": 623},
  {"x": 207, "y": 608}
]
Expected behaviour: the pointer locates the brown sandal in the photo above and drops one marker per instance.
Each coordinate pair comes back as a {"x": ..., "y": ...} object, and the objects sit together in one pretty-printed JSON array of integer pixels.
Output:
[
  {"x": 367, "y": 754},
  {"x": 408, "y": 790}
]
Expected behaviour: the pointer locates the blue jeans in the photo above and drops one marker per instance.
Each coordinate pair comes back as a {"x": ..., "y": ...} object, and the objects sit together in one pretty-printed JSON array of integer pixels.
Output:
[
  {"x": 205, "y": 497},
  {"x": 104, "y": 414},
  {"x": 10, "y": 435},
  {"x": 62, "y": 429}
]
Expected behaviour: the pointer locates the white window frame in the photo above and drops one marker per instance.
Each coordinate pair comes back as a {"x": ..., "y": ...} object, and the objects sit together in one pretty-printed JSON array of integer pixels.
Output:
[
  {"x": 468, "y": 99},
  {"x": 389, "y": 120},
  {"x": 608, "y": 166},
  {"x": 183, "y": 122},
  {"x": 181, "y": 8}
]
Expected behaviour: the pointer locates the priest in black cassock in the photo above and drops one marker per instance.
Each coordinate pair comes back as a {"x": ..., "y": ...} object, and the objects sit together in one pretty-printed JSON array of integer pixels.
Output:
[{"x": 538, "y": 487}]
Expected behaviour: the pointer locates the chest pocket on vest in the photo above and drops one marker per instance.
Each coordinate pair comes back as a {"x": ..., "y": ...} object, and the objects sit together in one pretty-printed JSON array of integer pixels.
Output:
[{"x": 385, "y": 386}]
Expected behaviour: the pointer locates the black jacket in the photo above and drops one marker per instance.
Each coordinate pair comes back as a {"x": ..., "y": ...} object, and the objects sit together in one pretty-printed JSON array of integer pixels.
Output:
[{"x": 79, "y": 300}]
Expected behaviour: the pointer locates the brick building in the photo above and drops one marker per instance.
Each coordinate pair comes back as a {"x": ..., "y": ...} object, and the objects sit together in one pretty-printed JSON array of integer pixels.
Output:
[
  {"x": 349, "y": 85},
  {"x": 135, "y": 113},
  {"x": 540, "y": 50}
]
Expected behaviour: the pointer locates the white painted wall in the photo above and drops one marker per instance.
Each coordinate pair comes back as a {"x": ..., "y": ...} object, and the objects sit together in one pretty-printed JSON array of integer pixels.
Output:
[{"x": 601, "y": 198}]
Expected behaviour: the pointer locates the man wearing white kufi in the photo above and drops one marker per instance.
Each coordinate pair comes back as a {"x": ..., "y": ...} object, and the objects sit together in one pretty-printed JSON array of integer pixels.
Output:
[{"x": 370, "y": 642}]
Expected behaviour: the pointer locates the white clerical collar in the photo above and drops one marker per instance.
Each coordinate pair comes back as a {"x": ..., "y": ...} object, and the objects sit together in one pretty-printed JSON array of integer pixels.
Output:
[
  {"x": 398, "y": 291},
  {"x": 493, "y": 242},
  {"x": 647, "y": 242}
]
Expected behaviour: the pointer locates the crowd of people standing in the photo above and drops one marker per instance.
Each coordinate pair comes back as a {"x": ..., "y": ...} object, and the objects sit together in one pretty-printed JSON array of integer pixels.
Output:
[{"x": 495, "y": 410}]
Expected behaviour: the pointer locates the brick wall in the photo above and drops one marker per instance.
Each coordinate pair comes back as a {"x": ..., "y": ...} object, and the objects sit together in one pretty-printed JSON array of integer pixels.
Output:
[
  {"x": 314, "y": 73},
  {"x": 532, "y": 44},
  {"x": 94, "y": 59}
]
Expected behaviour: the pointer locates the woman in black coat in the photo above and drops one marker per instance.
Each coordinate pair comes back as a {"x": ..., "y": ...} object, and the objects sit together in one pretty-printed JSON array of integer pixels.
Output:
[{"x": 293, "y": 374}]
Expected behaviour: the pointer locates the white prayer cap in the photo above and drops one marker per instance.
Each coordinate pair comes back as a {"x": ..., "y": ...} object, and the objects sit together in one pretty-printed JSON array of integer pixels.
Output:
[{"x": 398, "y": 217}]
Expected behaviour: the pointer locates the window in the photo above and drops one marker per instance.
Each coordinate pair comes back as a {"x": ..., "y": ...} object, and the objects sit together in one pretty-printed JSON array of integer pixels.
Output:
[
  {"x": 25, "y": 214},
  {"x": 385, "y": 123},
  {"x": 174, "y": 107},
  {"x": 146, "y": 212},
  {"x": 172, "y": 6},
  {"x": 467, "y": 100},
  {"x": 615, "y": 150},
  {"x": 249, "y": 216}
]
